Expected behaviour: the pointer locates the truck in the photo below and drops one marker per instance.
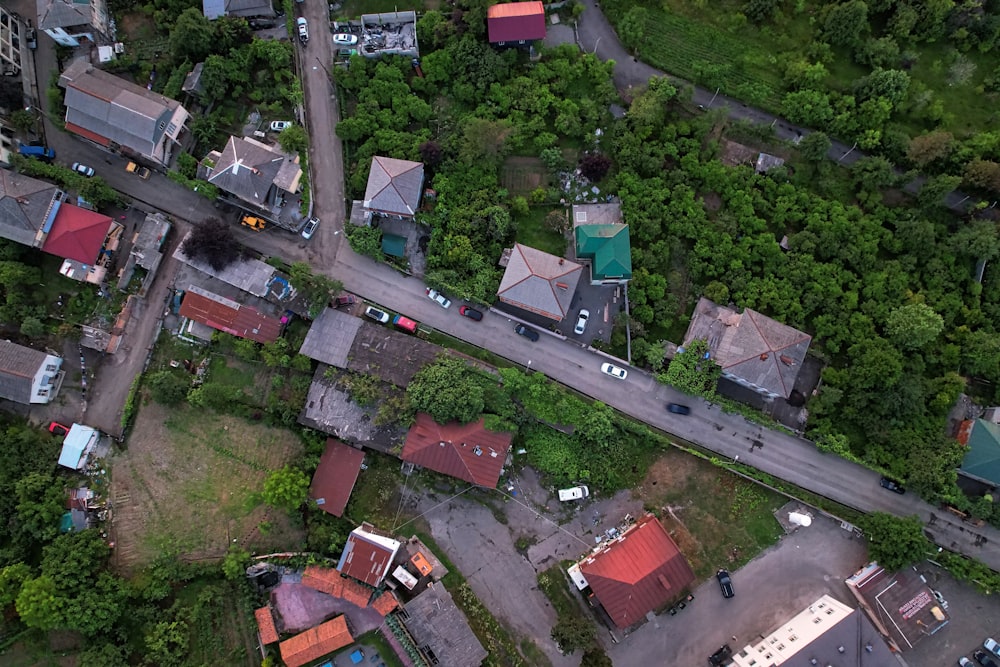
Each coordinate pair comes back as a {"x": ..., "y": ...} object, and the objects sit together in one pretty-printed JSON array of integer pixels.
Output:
[
  {"x": 405, "y": 323},
  {"x": 38, "y": 152},
  {"x": 253, "y": 222},
  {"x": 141, "y": 172}
]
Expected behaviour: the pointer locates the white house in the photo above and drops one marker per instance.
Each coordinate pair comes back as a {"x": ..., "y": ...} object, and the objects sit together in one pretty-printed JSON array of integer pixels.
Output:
[{"x": 27, "y": 375}]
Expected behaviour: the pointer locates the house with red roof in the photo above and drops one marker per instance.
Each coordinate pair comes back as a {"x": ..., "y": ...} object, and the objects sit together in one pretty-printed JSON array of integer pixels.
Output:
[
  {"x": 635, "y": 573},
  {"x": 368, "y": 555},
  {"x": 315, "y": 643},
  {"x": 466, "y": 451},
  {"x": 335, "y": 476},
  {"x": 218, "y": 312},
  {"x": 265, "y": 626},
  {"x": 515, "y": 23},
  {"x": 85, "y": 240}
]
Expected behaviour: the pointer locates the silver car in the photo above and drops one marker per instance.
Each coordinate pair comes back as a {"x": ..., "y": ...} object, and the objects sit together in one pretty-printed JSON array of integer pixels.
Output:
[
  {"x": 310, "y": 228},
  {"x": 581, "y": 322}
]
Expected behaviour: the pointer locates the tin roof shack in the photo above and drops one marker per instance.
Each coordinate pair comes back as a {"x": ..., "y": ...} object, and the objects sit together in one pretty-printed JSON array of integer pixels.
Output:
[
  {"x": 470, "y": 452},
  {"x": 900, "y": 604},
  {"x": 440, "y": 630},
  {"x": 515, "y": 23},
  {"x": 226, "y": 315},
  {"x": 368, "y": 555},
  {"x": 334, "y": 479},
  {"x": 79, "y": 443}
]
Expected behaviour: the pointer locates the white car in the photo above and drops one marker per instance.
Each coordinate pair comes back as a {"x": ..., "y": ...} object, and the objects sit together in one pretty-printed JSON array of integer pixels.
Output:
[
  {"x": 574, "y": 493},
  {"x": 614, "y": 371},
  {"x": 376, "y": 314},
  {"x": 991, "y": 645},
  {"x": 581, "y": 322},
  {"x": 441, "y": 299},
  {"x": 344, "y": 39},
  {"x": 280, "y": 125},
  {"x": 82, "y": 169},
  {"x": 310, "y": 228},
  {"x": 303, "y": 29}
]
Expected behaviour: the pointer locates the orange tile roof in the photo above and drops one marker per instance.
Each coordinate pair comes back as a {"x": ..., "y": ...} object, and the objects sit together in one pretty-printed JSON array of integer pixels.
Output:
[
  {"x": 421, "y": 563},
  {"x": 385, "y": 603},
  {"x": 329, "y": 581},
  {"x": 315, "y": 642},
  {"x": 265, "y": 624}
]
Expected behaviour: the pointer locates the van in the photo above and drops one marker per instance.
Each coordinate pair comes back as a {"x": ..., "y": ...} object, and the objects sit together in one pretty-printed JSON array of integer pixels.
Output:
[
  {"x": 254, "y": 223},
  {"x": 574, "y": 493},
  {"x": 405, "y": 323},
  {"x": 38, "y": 152}
]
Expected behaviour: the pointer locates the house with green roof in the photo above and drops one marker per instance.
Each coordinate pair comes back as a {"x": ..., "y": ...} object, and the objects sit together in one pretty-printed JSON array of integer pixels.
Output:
[
  {"x": 603, "y": 241},
  {"x": 982, "y": 456}
]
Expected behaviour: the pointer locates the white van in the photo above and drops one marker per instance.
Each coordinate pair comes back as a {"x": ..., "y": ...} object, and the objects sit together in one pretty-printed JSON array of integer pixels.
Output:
[{"x": 575, "y": 493}]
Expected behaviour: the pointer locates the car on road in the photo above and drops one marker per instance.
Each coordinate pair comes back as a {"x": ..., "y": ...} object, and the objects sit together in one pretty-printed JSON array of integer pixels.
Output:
[
  {"x": 725, "y": 583},
  {"x": 280, "y": 125},
  {"x": 964, "y": 662},
  {"x": 376, "y": 314},
  {"x": 678, "y": 409},
  {"x": 141, "y": 172},
  {"x": 990, "y": 644},
  {"x": 344, "y": 39},
  {"x": 984, "y": 659},
  {"x": 55, "y": 428},
  {"x": 303, "y": 27},
  {"x": 721, "y": 656},
  {"x": 471, "y": 313},
  {"x": 310, "y": 228},
  {"x": 892, "y": 485},
  {"x": 530, "y": 334},
  {"x": 581, "y": 321},
  {"x": 345, "y": 300},
  {"x": 574, "y": 493},
  {"x": 82, "y": 169},
  {"x": 441, "y": 299},
  {"x": 614, "y": 371}
]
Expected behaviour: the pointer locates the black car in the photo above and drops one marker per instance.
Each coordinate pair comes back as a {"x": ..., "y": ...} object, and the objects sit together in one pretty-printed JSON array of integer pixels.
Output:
[
  {"x": 984, "y": 659},
  {"x": 725, "y": 583},
  {"x": 678, "y": 409},
  {"x": 530, "y": 334},
  {"x": 721, "y": 656},
  {"x": 892, "y": 485},
  {"x": 471, "y": 313}
]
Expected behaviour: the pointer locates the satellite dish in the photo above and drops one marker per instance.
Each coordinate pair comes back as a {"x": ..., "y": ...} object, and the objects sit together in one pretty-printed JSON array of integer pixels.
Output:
[{"x": 799, "y": 519}]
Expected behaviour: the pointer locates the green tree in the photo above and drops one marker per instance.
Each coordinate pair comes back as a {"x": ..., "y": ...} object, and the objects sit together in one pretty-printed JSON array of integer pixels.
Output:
[
  {"x": 981, "y": 355},
  {"x": 894, "y": 542},
  {"x": 40, "y": 500},
  {"x": 168, "y": 387},
  {"x": 294, "y": 140},
  {"x": 914, "y": 325},
  {"x": 315, "y": 288},
  {"x": 104, "y": 654},
  {"x": 234, "y": 565},
  {"x": 365, "y": 240},
  {"x": 632, "y": 27},
  {"x": 573, "y": 631},
  {"x": 12, "y": 578},
  {"x": 32, "y": 327},
  {"x": 814, "y": 146},
  {"x": 692, "y": 372},
  {"x": 39, "y": 604},
  {"x": 934, "y": 190},
  {"x": 595, "y": 656},
  {"x": 192, "y": 36},
  {"x": 166, "y": 644},
  {"x": 286, "y": 489},
  {"x": 846, "y": 23},
  {"x": 447, "y": 390}
]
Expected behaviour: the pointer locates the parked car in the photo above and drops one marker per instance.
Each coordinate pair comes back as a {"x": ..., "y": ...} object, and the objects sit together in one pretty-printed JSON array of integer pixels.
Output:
[
  {"x": 376, "y": 314},
  {"x": 405, "y": 323},
  {"x": 310, "y": 228},
  {"x": 990, "y": 644},
  {"x": 964, "y": 662},
  {"x": 82, "y": 169},
  {"x": 141, "y": 172},
  {"x": 725, "y": 583},
  {"x": 944, "y": 605},
  {"x": 55, "y": 428},
  {"x": 984, "y": 659},
  {"x": 614, "y": 371},
  {"x": 280, "y": 125},
  {"x": 344, "y": 39},
  {"x": 574, "y": 493},
  {"x": 581, "y": 321},
  {"x": 678, "y": 409},
  {"x": 892, "y": 485},
  {"x": 345, "y": 300},
  {"x": 441, "y": 299},
  {"x": 471, "y": 313},
  {"x": 530, "y": 334},
  {"x": 721, "y": 656},
  {"x": 303, "y": 26}
]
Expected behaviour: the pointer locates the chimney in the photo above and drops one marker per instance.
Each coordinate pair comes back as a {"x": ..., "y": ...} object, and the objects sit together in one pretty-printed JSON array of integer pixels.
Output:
[
  {"x": 562, "y": 285},
  {"x": 788, "y": 361}
]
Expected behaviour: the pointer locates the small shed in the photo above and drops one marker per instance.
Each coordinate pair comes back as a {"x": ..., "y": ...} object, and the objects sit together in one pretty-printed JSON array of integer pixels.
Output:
[{"x": 79, "y": 442}]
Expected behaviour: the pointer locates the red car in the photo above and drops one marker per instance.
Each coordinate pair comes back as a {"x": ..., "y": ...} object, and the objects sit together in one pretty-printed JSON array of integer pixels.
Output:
[{"x": 55, "y": 428}]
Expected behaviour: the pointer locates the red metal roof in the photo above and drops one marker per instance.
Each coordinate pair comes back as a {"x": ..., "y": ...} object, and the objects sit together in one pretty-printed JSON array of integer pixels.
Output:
[
  {"x": 265, "y": 624},
  {"x": 466, "y": 451},
  {"x": 77, "y": 234},
  {"x": 367, "y": 555},
  {"x": 637, "y": 572},
  {"x": 226, "y": 315},
  {"x": 87, "y": 134},
  {"x": 316, "y": 642},
  {"x": 335, "y": 476},
  {"x": 516, "y": 22}
]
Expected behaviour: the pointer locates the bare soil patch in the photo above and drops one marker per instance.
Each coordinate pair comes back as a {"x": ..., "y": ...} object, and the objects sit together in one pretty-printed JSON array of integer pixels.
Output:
[
  {"x": 522, "y": 175},
  {"x": 188, "y": 484}
]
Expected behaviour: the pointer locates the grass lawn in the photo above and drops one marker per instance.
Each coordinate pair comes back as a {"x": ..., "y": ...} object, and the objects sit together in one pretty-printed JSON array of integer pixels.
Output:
[
  {"x": 188, "y": 484},
  {"x": 531, "y": 231},
  {"x": 376, "y": 494}
]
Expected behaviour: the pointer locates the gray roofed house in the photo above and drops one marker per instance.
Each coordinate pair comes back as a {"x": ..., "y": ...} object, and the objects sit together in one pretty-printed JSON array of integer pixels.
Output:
[
  {"x": 213, "y": 9},
  {"x": 249, "y": 275},
  {"x": 120, "y": 115},
  {"x": 192, "y": 82},
  {"x": 26, "y": 205},
  {"x": 28, "y": 376},
  {"x": 330, "y": 337},
  {"x": 440, "y": 629},
  {"x": 752, "y": 349},
  {"x": 70, "y": 21},
  {"x": 254, "y": 172},
  {"x": 539, "y": 282},
  {"x": 394, "y": 187}
]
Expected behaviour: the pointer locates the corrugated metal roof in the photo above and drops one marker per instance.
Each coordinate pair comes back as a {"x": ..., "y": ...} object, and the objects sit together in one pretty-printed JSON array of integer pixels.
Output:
[
  {"x": 226, "y": 315},
  {"x": 367, "y": 555},
  {"x": 516, "y": 22},
  {"x": 77, "y": 234},
  {"x": 335, "y": 476},
  {"x": 466, "y": 451}
]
